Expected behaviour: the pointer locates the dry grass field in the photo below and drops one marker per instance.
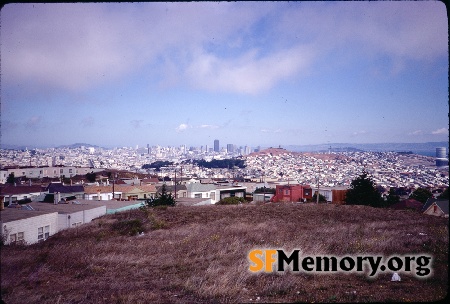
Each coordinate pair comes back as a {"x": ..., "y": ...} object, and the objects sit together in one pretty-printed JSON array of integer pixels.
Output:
[{"x": 199, "y": 255}]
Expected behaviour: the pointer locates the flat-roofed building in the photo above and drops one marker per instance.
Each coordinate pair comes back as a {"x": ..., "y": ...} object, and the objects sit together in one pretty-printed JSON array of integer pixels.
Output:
[{"x": 27, "y": 226}]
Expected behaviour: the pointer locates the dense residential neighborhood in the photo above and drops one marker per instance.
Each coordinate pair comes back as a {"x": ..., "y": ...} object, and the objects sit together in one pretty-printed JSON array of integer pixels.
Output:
[{"x": 63, "y": 188}]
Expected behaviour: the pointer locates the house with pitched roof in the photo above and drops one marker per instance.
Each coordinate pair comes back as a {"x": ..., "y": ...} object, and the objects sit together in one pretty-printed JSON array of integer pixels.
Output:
[
  {"x": 438, "y": 208},
  {"x": 101, "y": 192},
  {"x": 130, "y": 192},
  {"x": 58, "y": 191},
  {"x": 181, "y": 190}
]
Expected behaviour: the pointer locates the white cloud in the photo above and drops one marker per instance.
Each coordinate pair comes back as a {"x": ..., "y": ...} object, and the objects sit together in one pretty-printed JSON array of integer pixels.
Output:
[
  {"x": 211, "y": 46},
  {"x": 208, "y": 127},
  {"x": 358, "y": 133},
  {"x": 440, "y": 131},
  {"x": 417, "y": 132},
  {"x": 182, "y": 127},
  {"x": 250, "y": 73},
  {"x": 271, "y": 130}
]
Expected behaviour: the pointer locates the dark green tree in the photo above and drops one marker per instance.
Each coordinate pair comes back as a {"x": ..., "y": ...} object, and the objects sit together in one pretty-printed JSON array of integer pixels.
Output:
[
  {"x": 444, "y": 195},
  {"x": 11, "y": 179},
  {"x": 265, "y": 190},
  {"x": 162, "y": 199},
  {"x": 91, "y": 177},
  {"x": 421, "y": 195},
  {"x": 363, "y": 192},
  {"x": 321, "y": 198},
  {"x": 392, "y": 197}
]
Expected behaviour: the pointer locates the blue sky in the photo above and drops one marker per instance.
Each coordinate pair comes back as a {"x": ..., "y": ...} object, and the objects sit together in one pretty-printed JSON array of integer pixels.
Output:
[{"x": 256, "y": 73}]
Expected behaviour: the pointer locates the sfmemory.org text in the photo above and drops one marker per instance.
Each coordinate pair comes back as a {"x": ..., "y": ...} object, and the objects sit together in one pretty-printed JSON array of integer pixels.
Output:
[{"x": 264, "y": 260}]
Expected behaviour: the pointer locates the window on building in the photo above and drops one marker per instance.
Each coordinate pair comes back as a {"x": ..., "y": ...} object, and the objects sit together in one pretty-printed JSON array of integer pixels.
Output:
[
  {"x": 17, "y": 238},
  {"x": 61, "y": 170},
  {"x": 21, "y": 237},
  {"x": 70, "y": 170},
  {"x": 43, "y": 233},
  {"x": 306, "y": 193},
  {"x": 198, "y": 195},
  {"x": 76, "y": 224},
  {"x": 286, "y": 192}
]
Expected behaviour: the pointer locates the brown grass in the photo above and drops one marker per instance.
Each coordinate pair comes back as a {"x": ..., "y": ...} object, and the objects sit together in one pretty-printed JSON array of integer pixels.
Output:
[{"x": 199, "y": 254}]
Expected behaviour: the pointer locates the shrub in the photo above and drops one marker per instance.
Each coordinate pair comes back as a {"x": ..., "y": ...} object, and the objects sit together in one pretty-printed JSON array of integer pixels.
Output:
[
  {"x": 129, "y": 227},
  {"x": 231, "y": 201}
]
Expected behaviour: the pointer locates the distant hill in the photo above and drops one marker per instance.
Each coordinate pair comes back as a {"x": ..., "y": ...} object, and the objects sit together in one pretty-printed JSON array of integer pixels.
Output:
[
  {"x": 418, "y": 148},
  {"x": 78, "y": 145}
]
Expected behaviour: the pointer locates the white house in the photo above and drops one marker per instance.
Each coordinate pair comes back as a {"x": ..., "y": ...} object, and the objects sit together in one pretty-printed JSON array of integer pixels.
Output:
[
  {"x": 214, "y": 192},
  {"x": 52, "y": 172},
  {"x": 73, "y": 214},
  {"x": 26, "y": 226},
  {"x": 101, "y": 193},
  {"x": 197, "y": 190}
]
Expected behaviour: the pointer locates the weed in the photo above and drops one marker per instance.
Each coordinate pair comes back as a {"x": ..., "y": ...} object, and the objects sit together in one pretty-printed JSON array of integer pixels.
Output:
[
  {"x": 128, "y": 227},
  {"x": 201, "y": 256}
]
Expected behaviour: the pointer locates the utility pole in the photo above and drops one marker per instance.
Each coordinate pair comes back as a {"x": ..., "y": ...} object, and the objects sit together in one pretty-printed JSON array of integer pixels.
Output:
[
  {"x": 175, "y": 182},
  {"x": 318, "y": 187},
  {"x": 264, "y": 185}
]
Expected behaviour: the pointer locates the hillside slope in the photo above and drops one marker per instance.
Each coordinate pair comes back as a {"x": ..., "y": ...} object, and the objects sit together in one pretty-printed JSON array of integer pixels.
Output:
[{"x": 199, "y": 254}]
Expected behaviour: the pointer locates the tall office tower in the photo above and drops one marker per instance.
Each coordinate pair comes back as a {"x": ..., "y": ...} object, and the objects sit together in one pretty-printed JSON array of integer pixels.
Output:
[
  {"x": 148, "y": 148},
  {"x": 230, "y": 148},
  {"x": 216, "y": 145},
  {"x": 206, "y": 149}
]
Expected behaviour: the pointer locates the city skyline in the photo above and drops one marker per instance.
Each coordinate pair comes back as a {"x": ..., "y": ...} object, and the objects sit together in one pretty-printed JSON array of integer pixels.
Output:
[{"x": 256, "y": 73}]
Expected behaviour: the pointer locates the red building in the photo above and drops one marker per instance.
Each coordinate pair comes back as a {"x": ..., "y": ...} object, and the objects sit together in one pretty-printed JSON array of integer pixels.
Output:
[{"x": 292, "y": 193}]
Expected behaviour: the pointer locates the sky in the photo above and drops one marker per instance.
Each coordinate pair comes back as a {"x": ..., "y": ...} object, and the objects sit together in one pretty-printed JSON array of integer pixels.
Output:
[{"x": 246, "y": 73}]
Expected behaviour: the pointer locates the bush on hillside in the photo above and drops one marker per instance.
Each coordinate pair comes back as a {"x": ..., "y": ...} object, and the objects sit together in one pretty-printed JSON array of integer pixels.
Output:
[
  {"x": 128, "y": 227},
  {"x": 231, "y": 201}
]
